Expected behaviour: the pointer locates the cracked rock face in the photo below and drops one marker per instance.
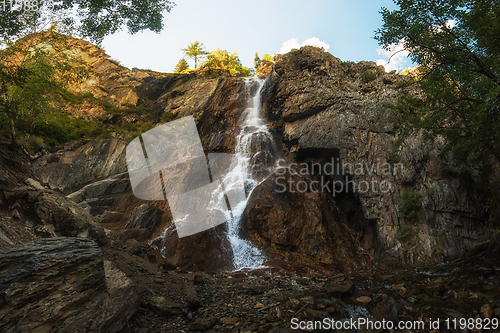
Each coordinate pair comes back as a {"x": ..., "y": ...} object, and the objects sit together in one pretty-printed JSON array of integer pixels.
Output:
[{"x": 319, "y": 103}]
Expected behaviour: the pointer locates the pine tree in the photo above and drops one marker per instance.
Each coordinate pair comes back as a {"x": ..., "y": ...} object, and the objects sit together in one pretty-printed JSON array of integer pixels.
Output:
[{"x": 181, "y": 66}]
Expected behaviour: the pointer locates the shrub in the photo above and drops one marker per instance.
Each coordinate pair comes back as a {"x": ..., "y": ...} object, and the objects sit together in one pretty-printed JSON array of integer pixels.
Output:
[
  {"x": 368, "y": 76},
  {"x": 403, "y": 232},
  {"x": 409, "y": 207}
]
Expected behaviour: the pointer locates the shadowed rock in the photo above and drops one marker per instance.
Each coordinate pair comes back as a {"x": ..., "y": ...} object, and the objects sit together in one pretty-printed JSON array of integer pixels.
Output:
[{"x": 62, "y": 285}]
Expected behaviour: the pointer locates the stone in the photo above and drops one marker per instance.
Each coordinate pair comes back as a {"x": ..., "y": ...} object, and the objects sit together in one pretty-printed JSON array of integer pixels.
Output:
[
  {"x": 15, "y": 214},
  {"x": 229, "y": 320},
  {"x": 33, "y": 183},
  {"x": 317, "y": 102},
  {"x": 338, "y": 290},
  {"x": 165, "y": 307},
  {"x": 207, "y": 251},
  {"x": 202, "y": 324},
  {"x": 192, "y": 296},
  {"x": 113, "y": 185},
  {"x": 67, "y": 217},
  {"x": 70, "y": 170},
  {"x": 62, "y": 284},
  {"x": 363, "y": 300},
  {"x": 486, "y": 311},
  {"x": 133, "y": 247},
  {"x": 146, "y": 217},
  {"x": 306, "y": 224}
]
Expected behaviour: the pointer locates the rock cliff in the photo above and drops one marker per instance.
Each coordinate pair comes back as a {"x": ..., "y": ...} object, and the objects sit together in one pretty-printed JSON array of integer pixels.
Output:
[
  {"x": 325, "y": 109},
  {"x": 324, "y": 112},
  {"x": 351, "y": 202}
]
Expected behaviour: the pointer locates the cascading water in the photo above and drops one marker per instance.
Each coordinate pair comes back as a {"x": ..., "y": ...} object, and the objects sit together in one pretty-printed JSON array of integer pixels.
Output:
[{"x": 255, "y": 160}]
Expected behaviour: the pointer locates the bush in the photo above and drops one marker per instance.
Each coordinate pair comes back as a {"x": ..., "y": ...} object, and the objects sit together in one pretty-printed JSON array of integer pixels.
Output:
[
  {"x": 368, "y": 76},
  {"x": 409, "y": 207},
  {"x": 403, "y": 232}
]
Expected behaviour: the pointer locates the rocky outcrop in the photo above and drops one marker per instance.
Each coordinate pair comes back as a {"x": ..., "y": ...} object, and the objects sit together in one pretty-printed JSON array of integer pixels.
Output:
[
  {"x": 208, "y": 251},
  {"x": 321, "y": 105},
  {"x": 70, "y": 169},
  {"x": 303, "y": 228},
  {"x": 63, "y": 285}
]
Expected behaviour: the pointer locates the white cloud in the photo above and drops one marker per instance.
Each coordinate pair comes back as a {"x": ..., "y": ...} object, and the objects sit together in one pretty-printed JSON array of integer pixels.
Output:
[
  {"x": 293, "y": 43},
  {"x": 396, "y": 58}
]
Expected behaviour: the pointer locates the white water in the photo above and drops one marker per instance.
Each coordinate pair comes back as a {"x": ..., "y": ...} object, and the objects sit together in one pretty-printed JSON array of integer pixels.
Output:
[{"x": 245, "y": 255}]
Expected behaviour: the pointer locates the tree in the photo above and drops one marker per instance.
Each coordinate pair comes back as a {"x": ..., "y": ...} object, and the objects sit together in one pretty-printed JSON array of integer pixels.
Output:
[
  {"x": 456, "y": 44},
  {"x": 88, "y": 19},
  {"x": 256, "y": 62},
  {"x": 195, "y": 51},
  {"x": 32, "y": 71},
  {"x": 181, "y": 66},
  {"x": 221, "y": 61},
  {"x": 267, "y": 57}
]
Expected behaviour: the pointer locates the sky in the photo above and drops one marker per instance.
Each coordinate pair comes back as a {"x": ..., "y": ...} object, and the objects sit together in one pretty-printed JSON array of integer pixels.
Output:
[{"x": 345, "y": 28}]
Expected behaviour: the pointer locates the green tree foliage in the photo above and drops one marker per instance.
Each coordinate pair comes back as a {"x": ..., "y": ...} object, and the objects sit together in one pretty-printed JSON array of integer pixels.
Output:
[
  {"x": 181, "y": 66},
  {"x": 82, "y": 18},
  {"x": 267, "y": 57},
  {"x": 457, "y": 46},
  {"x": 195, "y": 51},
  {"x": 222, "y": 61},
  {"x": 410, "y": 205},
  {"x": 32, "y": 71},
  {"x": 256, "y": 62}
]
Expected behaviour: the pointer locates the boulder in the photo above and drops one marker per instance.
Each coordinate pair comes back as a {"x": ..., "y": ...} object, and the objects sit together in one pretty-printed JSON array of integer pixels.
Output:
[
  {"x": 205, "y": 251},
  {"x": 145, "y": 216},
  {"x": 62, "y": 285},
  {"x": 67, "y": 218}
]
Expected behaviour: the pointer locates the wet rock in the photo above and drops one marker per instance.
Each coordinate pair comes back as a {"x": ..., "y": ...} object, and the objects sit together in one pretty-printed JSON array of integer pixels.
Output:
[
  {"x": 205, "y": 251},
  {"x": 299, "y": 227}
]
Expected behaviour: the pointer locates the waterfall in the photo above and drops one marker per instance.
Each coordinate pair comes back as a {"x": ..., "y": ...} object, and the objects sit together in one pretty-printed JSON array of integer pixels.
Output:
[{"x": 255, "y": 161}]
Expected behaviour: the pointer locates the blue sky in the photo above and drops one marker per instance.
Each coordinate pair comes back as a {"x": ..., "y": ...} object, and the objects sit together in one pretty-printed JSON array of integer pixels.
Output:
[{"x": 345, "y": 28}]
